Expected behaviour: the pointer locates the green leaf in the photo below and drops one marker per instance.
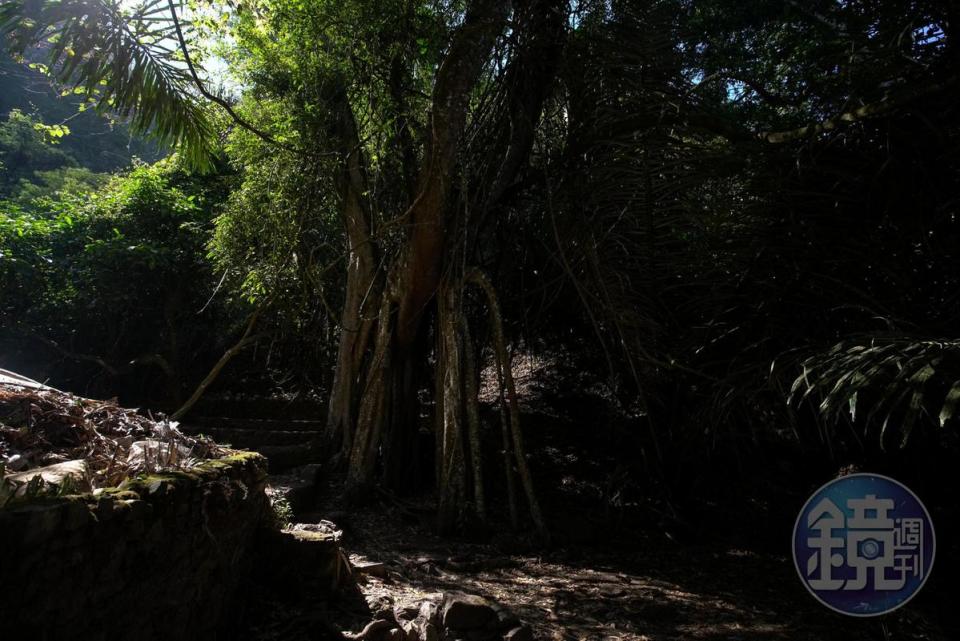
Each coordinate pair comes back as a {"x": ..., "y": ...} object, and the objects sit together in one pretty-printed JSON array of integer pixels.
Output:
[
  {"x": 913, "y": 410},
  {"x": 123, "y": 54},
  {"x": 950, "y": 403}
]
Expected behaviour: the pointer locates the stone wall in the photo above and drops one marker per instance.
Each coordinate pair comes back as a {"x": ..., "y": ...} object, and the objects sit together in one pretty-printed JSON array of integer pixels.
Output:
[{"x": 160, "y": 557}]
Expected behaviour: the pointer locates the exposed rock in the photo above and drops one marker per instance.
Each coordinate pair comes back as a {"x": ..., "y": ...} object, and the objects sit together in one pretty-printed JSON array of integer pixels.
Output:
[
  {"x": 429, "y": 611},
  {"x": 412, "y": 631},
  {"x": 428, "y": 632},
  {"x": 466, "y": 611},
  {"x": 322, "y": 526},
  {"x": 419, "y": 622},
  {"x": 459, "y": 616},
  {"x": 380, "y": 605},
  {"x": 376, "y": 630},
  {"x": 368, "y": 568},
  {"x": 407, "y": 612}
]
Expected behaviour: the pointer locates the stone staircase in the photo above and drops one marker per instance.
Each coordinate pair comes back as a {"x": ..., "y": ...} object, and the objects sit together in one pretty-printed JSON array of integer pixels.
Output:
[{"x": 287, "y": 434}]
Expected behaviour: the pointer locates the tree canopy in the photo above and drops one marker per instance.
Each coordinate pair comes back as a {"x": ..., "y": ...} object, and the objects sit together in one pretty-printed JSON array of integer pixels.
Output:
[{"x": 737, "y": 218}]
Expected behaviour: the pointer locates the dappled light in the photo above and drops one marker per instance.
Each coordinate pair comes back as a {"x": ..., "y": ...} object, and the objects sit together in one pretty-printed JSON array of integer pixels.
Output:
[{"x": 492, "y": 320}]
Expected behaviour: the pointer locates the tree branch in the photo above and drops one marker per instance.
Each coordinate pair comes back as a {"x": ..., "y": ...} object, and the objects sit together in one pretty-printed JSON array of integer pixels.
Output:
[
  {"x": 77, "y": 356},
  {"x": 871, "y": 110},
  {"x": 458, "y": 73},
  {"x": 220, "y": 101},
  {"x": 541, "y": 26},
  {"x": 246, "y": 340}
]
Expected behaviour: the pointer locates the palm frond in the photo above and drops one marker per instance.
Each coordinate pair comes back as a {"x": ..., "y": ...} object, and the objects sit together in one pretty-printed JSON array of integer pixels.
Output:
[
  {"x": 885, "y": 382},
  {"x": 123, "y": 59}
]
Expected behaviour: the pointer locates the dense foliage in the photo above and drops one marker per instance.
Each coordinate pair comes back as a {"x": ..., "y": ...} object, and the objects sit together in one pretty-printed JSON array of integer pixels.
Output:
[
  {"x": 96, "y": 143},
  {"x": 719, "y": 210},
  {"x": 116, "y": 279}
]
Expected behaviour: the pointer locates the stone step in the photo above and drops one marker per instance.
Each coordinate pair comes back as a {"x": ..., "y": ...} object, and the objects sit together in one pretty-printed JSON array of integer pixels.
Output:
[
  {"x": 298, "y": 562},
  {"x": 241, "y": 437},
  {"x": 286, "y": 443},
  {"x": 202, "y": 423},
  {"x": 274, "y": 407},
  {"x": 285, "y": 457}
]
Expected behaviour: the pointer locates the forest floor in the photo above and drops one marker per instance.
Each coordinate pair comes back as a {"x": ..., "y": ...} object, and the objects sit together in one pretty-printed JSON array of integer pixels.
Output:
[
  {"x": 636, "y": 571},
  {"x": 644, "y": 592},
  {"x": 633, "y": 587}
]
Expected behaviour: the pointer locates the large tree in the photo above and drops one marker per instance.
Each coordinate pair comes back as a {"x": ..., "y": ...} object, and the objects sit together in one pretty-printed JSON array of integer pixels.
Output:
[
  {"x": 363, "y": 80},
  {"x": 648, "y": 163}
]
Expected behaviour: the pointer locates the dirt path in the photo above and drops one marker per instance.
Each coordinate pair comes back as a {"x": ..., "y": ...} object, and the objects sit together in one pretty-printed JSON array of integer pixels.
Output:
[{"x": 639, "y": 591}]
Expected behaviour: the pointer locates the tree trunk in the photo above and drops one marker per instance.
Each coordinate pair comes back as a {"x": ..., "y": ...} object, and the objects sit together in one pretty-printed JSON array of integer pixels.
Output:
[
  {"x": 245, "y": 341},
  {"x": 374, "y": 409},
  {"x": 387, "y": 404},
  {"x": 450, "y": 484},
  {"x": 503, "y": 360},
  {"x": 363, "y": 288},
  {"x": 374, "y": 402},
  {"x": 470, "y": 391}
]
